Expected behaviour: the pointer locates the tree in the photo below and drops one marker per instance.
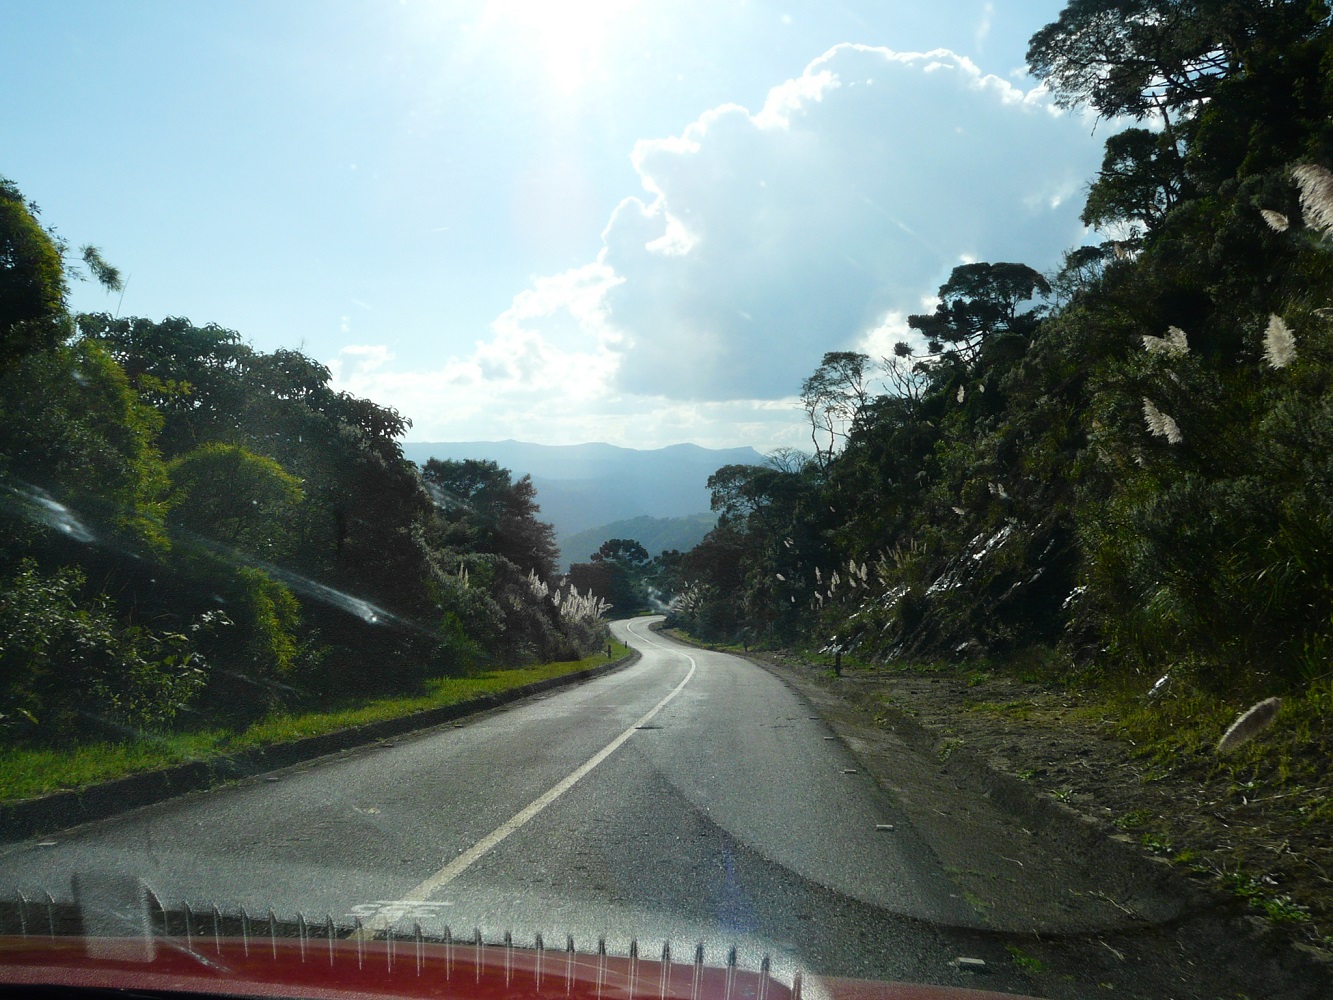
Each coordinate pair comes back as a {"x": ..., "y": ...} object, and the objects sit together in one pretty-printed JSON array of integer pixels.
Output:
[
  {"x": 1080, "y": 270},
  {"x": 32, "y": 281},
  {"x": 1165, "y": 58},
  {"x": 232, "y": 496},
  {"x": 71, "y": 424},
  {"x": 980, "y": 301},
  {"x": 626, "y": 551},
  {"x": 617, "y": 573},
  {"x": 193, "y": 375},
  {"x": 833, "y": 397},
  {"x": 33, "y": 269},
  {"x": 1141, "y": 180},
  {"x": 485, "y": 510}
]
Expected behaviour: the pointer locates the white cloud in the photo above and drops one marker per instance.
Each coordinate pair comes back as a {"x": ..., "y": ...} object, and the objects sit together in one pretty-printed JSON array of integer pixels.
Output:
[
  {"x": 803, "y": 224},
  {"x": 460, "y": 402},
  {"x": 359, "y": 360},
  {"x": 763, "y": 240},
  {"x": 879, "y": 340}
]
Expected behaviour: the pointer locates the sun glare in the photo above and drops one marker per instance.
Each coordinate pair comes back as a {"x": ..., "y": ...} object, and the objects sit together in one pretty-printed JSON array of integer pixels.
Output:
[{"x": 568, "y": 37}]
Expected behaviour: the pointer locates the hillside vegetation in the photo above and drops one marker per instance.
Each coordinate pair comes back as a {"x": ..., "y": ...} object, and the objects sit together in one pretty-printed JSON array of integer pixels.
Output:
[
  {"x": 1108, "y": 488},
  {"x": 195, "y": 534},
  {"x": 1121, "y": 471}
]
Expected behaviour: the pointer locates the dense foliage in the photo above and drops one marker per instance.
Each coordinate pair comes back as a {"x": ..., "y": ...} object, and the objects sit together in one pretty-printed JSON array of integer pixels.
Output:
[
  {"x": 625, "y": 577},
  {"x": 1128, "y": 462},
  {"x": 193, "y": 531}
]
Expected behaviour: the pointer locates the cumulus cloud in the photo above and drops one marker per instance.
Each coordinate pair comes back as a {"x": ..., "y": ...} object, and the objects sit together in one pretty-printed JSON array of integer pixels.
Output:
[
  {"x": 771, "y": 237},
  {"x": 765, "y": 238}
]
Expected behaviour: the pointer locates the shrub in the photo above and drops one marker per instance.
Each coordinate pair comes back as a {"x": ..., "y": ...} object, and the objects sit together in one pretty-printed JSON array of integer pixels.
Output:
[{"x": 70, "y": 666}]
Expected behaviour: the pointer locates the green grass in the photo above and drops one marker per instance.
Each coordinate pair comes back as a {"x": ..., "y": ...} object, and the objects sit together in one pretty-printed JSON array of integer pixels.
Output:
[
  {"x": 1134, "y": 819},
  {"x": 25, "y": 773},
  {"x": 1279, "y": 908},
  {"x": 1013, "y": 709},
  {"x": 1024, "y": 961}
]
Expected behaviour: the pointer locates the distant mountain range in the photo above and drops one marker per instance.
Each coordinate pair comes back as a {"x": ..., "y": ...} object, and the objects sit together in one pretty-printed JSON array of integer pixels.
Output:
[{"x": 585, "y": 489}]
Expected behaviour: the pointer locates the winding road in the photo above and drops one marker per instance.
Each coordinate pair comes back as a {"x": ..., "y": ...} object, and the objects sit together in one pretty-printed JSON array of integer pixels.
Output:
[{"x": 691, "y": 796}]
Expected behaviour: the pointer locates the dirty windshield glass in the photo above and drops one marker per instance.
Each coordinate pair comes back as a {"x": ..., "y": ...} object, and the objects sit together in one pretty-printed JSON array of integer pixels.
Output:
[{"x": 849, "y": 483}]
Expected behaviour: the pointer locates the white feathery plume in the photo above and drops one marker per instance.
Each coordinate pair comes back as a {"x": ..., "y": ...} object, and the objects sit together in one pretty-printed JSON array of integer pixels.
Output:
[
  {"x": 1159, "y": 424},
  {"x": 1276, "y": 220},
  {"x": 1316, "y": 185},
  {"x": 540, "y": 589},
  {"x": 1249, "y": 724},
  {"x": 961, "y": 393},
  {"x": 1279, "y": 344},
  {"x": 1173, "y": 344}
]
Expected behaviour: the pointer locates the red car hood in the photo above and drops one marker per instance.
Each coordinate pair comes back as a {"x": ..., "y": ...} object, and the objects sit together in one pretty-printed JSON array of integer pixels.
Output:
[{"x": 350, "y": 967}]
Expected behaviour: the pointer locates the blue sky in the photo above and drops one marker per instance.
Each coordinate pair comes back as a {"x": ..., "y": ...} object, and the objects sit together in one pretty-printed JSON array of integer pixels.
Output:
[{"x": 635, "y": 222}]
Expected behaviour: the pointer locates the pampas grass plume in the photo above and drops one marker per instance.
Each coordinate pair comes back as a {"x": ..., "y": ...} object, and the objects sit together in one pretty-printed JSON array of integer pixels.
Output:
[
  {"x": 1249, "y": 724},
  {"x": 1316, "y": 185},
  {"x": 1276, "y": 220},
  {"x": 1279, "y": 344},
  {"x": 1159, "y": 424},
  {"x": 1174, "y": 344}
]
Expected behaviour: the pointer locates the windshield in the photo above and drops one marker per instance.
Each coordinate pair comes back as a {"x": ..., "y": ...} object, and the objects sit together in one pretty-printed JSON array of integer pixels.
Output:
[{"x": 844, "y": 482}]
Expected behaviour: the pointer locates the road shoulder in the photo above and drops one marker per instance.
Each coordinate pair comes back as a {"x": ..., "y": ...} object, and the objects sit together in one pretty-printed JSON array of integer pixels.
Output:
[{"x": 1059, "y": 878}]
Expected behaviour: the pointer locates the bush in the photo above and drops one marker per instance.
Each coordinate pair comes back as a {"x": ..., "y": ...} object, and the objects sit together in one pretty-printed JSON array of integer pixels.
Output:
[{"x": 70, "y": 666}]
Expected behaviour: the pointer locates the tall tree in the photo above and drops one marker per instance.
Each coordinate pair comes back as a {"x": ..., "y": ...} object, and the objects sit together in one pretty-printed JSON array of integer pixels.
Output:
[
  {"x": 1142, "y": 178},
  {"x": 981, "y": 301},
  {"x": 1158, "y": 58},
  {"x": 833, "y": 397}
]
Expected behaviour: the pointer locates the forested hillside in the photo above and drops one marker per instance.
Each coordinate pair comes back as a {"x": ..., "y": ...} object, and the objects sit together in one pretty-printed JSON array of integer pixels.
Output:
[
  {"x": 195, "y": 532},
  {"x": 1124, "y": 467}
]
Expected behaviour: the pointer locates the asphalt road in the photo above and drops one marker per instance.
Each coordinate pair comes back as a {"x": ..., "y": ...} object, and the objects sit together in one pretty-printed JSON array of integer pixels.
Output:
[{"x": 690, "y": 797}]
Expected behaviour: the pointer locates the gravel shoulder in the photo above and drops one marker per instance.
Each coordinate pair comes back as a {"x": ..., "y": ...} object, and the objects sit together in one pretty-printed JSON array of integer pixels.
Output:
[{"x": 1057, "y": 834}]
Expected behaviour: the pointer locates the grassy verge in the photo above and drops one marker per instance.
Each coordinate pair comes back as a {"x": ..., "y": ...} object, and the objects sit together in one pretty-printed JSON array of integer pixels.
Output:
[{"x": 25, "y": 773}]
